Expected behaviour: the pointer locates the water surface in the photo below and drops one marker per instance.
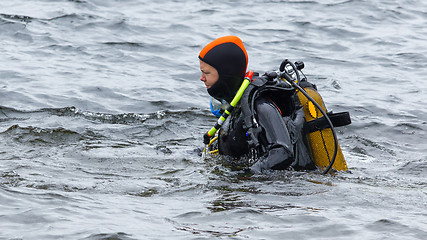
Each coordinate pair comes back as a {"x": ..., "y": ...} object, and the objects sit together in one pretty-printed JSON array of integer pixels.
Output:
[{"x": 102, "y": 113}]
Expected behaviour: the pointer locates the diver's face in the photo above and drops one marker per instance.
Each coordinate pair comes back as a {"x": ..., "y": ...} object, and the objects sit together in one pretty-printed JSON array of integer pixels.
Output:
[{"x": 209, "y": 74}]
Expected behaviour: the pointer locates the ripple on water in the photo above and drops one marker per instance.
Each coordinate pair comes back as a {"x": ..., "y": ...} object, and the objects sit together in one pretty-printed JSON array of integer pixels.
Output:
[{"x": 123, "y": 163}]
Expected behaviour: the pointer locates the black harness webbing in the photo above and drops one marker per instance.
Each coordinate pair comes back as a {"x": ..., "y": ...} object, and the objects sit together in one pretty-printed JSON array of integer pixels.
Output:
[{"x": 337, "y": 119}]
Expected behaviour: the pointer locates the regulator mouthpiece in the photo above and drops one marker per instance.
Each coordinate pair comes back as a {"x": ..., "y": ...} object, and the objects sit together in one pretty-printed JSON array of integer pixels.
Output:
[{"x": 218, "y": 107}]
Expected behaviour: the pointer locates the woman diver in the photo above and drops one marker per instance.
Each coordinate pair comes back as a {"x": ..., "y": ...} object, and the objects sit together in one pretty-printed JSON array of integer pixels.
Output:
[{"x": 277, "y": 137}]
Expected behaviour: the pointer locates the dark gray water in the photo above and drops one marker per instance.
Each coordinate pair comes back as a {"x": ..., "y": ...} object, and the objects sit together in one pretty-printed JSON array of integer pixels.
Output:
[{"x": 101, "y": 110}]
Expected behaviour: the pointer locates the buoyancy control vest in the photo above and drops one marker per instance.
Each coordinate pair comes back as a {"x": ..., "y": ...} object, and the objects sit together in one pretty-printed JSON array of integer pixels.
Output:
[
  {"x": 242, "y": 134},
  {"x": 310, "y": 136},
  {"x": 284, "y": 97}
]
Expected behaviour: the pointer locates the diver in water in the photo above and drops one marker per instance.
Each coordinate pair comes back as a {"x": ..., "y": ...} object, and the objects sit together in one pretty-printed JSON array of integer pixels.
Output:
[
  {"x": 278, "y": 119},
  {"x": 266, "y": 119}
]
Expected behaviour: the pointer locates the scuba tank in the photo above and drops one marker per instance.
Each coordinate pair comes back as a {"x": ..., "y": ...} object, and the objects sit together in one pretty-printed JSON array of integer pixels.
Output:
[{"x": 321, "y": 138}]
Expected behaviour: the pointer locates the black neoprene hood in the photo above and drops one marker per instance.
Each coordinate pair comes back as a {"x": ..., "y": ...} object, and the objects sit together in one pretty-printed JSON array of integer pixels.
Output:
[{"x": 228, "y": 56}]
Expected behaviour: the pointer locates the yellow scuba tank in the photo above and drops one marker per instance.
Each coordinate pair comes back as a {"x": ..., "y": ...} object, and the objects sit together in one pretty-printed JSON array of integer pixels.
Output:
[{"x": 321, "y": 142}]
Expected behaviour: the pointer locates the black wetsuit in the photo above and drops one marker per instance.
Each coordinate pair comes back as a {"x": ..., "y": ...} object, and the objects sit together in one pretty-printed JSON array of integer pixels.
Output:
[
  {"x": 280, "y": 142},
  {"x": 281, "y": 138}
]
